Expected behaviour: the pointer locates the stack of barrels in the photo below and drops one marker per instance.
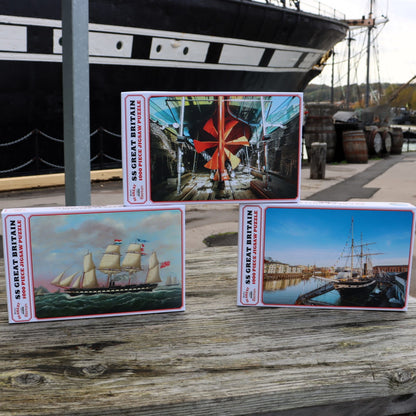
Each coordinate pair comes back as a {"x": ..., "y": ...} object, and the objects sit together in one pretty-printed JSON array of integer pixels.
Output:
[
  {"x": 358, "y": 145},
  {"x": 319, "y": 128}
]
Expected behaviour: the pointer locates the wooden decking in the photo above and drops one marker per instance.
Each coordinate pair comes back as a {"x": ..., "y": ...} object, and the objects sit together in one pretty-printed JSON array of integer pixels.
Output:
[{"x": 214, "y": 359}]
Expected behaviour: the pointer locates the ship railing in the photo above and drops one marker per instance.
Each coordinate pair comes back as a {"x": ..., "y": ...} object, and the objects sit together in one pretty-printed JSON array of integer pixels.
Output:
[
  {"x": 39, "y": 153},
  {"x": 308, "y": 6}
]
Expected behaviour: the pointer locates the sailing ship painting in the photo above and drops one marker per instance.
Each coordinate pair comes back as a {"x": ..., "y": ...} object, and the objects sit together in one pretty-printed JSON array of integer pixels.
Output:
[
  {"x": 86, "y": 282},
  {"x": 322, "y": 257},
  {"x": 132, "y": 272}
]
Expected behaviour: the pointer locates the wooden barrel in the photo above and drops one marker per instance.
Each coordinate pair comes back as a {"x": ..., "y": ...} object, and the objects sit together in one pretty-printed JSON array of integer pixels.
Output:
[
  {"x": 355, "y": 146},
  {"x": 374, "y": 141},
  {"x": 319, "y": 127},
  {"x": 396, "y": 141},
  {"x": 386, "y": 141}
]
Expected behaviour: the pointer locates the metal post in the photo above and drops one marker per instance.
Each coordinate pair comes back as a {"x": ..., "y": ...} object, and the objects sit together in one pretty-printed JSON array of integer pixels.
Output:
[
  {"x": 75, "y": 73},
  {"x": 348, "y": 70},
  {"x": 332, "y": 76},
  {"x": 266, "y": 148},
  {"x": 180, "y": 140},
  {"x": 222, "y": 175},
  {"x": 367, "y": 85},
  {"x": 367, "y": 89}
]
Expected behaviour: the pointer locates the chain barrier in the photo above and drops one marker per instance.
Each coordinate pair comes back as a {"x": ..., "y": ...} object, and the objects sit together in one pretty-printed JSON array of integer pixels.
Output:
[
  {"x": 114, "y": 159},
  {"x": 18, "y": 167},
  {"x": 17, "y": 140},
  {"x": 36, "y": 133},
  {"x": 109, "y": 132},
  {"x": 52, "y": 165},
  {"x": 54, "y": 139}
]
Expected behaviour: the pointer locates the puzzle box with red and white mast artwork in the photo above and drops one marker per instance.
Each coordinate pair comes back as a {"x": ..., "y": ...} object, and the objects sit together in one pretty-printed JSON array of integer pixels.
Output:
[
  {"x": 329, "y": 255},
  {"x": 201, "y": 147},
  {"x": 79, "y": 262}
]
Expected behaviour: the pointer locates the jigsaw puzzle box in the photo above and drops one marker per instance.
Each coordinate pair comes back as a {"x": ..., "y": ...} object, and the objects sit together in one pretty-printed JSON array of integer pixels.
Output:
[
  {"x": 326, "y": 255},
  {"x": 201, "y": 147},
  {"x": 76, "y": 262}
]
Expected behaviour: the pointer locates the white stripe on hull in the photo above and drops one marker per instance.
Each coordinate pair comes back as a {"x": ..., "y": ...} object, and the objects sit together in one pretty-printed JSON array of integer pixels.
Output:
[
  {"x": 113, "y": 45},
  {"x": 146, "y": 62}
]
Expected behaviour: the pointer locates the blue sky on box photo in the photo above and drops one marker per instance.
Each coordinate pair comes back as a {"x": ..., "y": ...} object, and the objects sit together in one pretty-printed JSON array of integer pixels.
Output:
[{"x": 306, "y": 236}]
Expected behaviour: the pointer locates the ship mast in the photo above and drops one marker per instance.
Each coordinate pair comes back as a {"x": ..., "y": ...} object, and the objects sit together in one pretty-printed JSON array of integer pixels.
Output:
[
  {"x": 132, "y": 260},
  {"x": 370, "y": 23},
  {"x": 110, "y": 262}
]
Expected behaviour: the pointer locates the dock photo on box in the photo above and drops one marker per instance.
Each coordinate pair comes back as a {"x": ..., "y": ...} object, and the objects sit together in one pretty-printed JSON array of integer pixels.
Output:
[
  {"x": 224, "y": 147},
  {"x": 106, "y": 263},
  {"x": 337, "y": 257}
]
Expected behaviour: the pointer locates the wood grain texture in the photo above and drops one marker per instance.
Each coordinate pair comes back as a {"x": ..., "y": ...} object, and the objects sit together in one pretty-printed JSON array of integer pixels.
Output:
[{"x": 215, "y": 358}]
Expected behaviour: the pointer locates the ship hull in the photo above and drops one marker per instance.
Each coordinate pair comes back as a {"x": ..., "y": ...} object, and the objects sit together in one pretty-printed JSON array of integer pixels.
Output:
[
  {"x": 353, "y": 290},
  {"x": 170, "y": 45},
  {"x": 113, "y": 290}
]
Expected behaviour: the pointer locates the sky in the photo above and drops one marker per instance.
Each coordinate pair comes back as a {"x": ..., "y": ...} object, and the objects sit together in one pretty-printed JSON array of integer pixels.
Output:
[
  {"x": 319, "y": 236},
  {"x": 59, "y": 242},
  {"x": 394, "y": 50}
]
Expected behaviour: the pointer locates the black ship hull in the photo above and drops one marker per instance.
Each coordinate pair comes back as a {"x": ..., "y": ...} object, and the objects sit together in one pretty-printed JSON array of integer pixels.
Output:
[
  {"x": 355, "y": 290},
  {"x": 112, "y": 290},
  {"x": 171, "y": 45}
]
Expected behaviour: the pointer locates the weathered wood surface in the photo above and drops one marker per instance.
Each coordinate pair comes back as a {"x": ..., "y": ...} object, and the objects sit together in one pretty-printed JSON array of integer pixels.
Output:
[{"x": 215, "y": 358}]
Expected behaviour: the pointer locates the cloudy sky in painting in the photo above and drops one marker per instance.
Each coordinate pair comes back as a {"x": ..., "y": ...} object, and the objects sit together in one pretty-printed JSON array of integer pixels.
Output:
[{"x": 59, "y": 242}]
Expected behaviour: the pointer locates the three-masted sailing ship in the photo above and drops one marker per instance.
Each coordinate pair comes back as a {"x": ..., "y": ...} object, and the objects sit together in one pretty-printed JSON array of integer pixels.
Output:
[
  {"x": 356, "y": 279},
  {"x": 117, "y": 270}
]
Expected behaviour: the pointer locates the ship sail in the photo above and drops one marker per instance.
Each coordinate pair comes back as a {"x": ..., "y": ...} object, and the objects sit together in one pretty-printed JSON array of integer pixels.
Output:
[
  {"x": 77, "y": 282},
  {"x": 89, "y": 280},
  {"x": 67, "y": 281},
  {"x": 86, "y": 283},
  {"x": 62, "y": 281},
  {"x": 133, "y": 259},
  {"x": 110, "y": 263},
  {"x": 153, "y": 275},
  {"x": 57, "y": 280}
]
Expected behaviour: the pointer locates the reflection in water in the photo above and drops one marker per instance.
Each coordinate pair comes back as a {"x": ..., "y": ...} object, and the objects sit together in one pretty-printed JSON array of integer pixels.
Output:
[
  {"x": 287, "y": 291},
  {"x": 389, "y": 292},
  {"x": 281, "y": 283}
]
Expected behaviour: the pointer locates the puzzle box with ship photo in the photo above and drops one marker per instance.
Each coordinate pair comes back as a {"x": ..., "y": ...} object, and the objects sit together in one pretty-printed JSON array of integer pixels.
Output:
[
  {"x": 199, "y": 147},
  {"x": 327, "y": 255},
  {"x": 76, "y": 262}
]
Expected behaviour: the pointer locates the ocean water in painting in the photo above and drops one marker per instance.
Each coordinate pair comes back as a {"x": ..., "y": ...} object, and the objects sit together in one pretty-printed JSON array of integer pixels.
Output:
[{"x": 51, "y": 305}]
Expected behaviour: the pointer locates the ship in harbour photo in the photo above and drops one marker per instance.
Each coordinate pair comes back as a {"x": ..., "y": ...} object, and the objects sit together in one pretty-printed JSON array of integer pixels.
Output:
[{"x": 321, "y": 258}]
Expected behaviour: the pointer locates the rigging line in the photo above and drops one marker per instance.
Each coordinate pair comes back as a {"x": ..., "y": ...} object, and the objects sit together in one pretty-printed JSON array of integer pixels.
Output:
[
  {"x": 363, "y": 48},
  {"x": 377, "y": 61}
]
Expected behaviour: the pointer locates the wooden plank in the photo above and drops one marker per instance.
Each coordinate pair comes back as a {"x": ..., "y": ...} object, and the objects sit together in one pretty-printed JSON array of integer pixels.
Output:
[{"x": 215, "y": 358}]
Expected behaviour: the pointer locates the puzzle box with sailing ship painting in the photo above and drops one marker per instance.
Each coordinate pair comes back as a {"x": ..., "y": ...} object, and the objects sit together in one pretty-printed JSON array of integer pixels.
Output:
[
  {"x": 199, "y": 147},
  {"x": 328, "y": 255},
  {"x": 75, "y": 262}
]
